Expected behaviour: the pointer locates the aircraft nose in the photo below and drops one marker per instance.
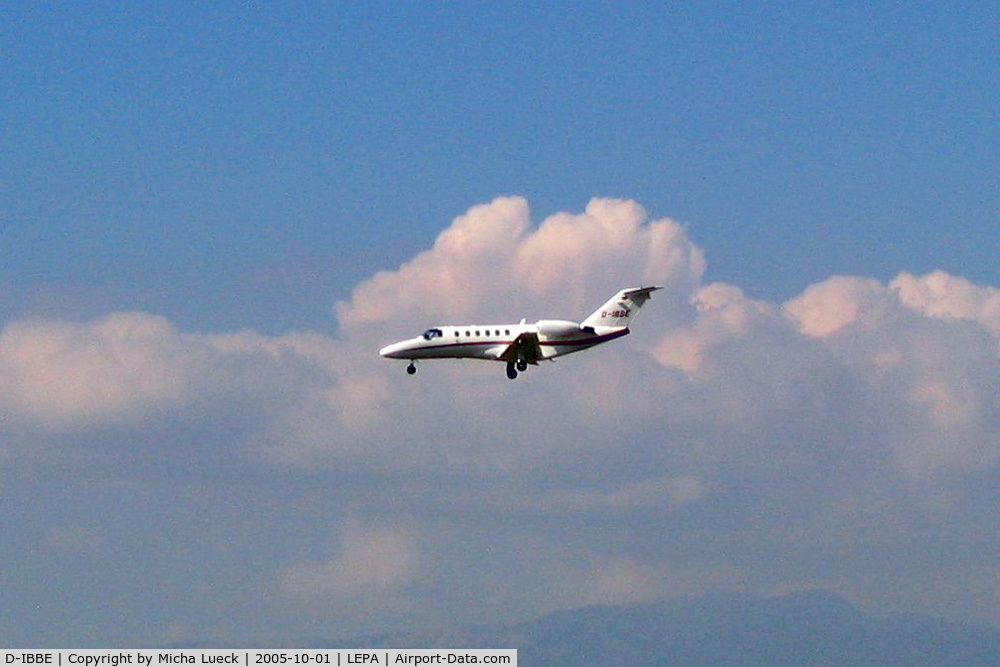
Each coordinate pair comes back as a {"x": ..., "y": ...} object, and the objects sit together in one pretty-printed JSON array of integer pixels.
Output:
[{"x": 392, "y": 351}]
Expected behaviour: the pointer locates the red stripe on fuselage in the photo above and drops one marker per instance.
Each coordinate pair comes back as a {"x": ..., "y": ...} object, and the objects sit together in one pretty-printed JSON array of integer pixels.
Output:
[{"x": 589, "y": 341}]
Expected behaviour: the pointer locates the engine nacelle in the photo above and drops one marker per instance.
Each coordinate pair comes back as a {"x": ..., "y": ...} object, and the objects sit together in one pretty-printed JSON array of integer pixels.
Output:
[{"x": 559, "y": 328}]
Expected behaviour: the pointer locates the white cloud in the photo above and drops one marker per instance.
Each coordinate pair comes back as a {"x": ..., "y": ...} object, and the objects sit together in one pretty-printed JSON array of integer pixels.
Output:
[
  {"x": 730, "y": 366},
  {"x": 726, "y": 440},
  {"x": 59, "y": 372},
  {"x": 491, "y": 263},
  {"x": 941, "y": 295},
  {"x": 611, "y": 239},
  {"x": 723, "y": 314},
  {"x": 926, "y": 348},
  {"x": 739, "y": 369},
  {"x": 826, "y": 308},
  {"x": 467, "y": 260}
]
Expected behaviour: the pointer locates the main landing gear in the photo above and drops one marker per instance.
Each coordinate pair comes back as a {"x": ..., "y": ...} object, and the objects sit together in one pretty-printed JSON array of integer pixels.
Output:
[{"x": 514, "y": 367}]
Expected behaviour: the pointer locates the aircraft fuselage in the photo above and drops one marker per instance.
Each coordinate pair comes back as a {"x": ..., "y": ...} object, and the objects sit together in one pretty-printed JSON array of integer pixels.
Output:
[
  {"x": 489, "y": 341},
  {"x": 519, "y": 345}
]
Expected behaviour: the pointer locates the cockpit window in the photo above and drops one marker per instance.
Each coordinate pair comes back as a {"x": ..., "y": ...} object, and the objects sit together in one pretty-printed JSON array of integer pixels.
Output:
[{"x": 432, "y": 333}]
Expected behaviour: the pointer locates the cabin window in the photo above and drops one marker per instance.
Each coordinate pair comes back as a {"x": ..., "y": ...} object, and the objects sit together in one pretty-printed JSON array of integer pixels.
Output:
[
  {"x": 477, "y": 334},
  {"x": 467, "y": 334},
  {"x": 506, "y": 332}
]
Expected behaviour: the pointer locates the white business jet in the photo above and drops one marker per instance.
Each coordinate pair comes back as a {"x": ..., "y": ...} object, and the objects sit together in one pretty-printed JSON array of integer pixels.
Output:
[{"x": 521, "y": 344}]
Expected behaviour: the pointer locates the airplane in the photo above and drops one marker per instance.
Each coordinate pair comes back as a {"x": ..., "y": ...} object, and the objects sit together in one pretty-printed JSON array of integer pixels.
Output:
[{"x": 519, "y": 345}]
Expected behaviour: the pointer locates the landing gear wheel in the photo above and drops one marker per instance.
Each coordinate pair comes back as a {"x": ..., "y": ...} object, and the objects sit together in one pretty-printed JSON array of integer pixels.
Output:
[
  {"x": 522, "y": 365},
  {"x": 411, "y": 369},
  {"x": 511, "y": 371}
]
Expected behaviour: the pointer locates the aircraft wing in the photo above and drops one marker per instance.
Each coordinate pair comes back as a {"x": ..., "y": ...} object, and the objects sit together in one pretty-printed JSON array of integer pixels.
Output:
[{"x": 524, "y": 347}]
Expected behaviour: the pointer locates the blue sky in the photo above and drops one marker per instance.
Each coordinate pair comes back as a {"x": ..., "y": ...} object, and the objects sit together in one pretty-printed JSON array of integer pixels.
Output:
[
  {"x": 212, "y": 157},
  {"x": 196, "y": 204}
]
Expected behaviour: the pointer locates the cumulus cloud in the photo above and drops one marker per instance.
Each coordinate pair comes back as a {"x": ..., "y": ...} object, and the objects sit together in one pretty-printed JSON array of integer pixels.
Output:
[
  {"x": 491, "y": 262},
  {"x": 722, "y": 314},
  {"x": 728, "y": 441},
  {"x": 148, "y": 389},
  {"x": 59, "y": 372},
  {"x": 927, "y": 347},
  {"x": 941, "y": 295},
  {"x": 464, "y": 262},
  {"x": 826, "y": 308}
]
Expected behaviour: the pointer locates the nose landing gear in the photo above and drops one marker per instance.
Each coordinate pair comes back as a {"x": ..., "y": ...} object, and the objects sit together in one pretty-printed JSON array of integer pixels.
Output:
[{"x": 412, "y": 368}]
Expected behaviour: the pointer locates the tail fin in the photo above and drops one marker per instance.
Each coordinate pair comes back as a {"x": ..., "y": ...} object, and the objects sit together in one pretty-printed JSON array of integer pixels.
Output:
[{"x": 620, "y": 309}]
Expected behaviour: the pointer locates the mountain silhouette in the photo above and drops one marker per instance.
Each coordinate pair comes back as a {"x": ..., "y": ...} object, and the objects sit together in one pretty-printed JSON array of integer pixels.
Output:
[{"x": 810, "y": 629}]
